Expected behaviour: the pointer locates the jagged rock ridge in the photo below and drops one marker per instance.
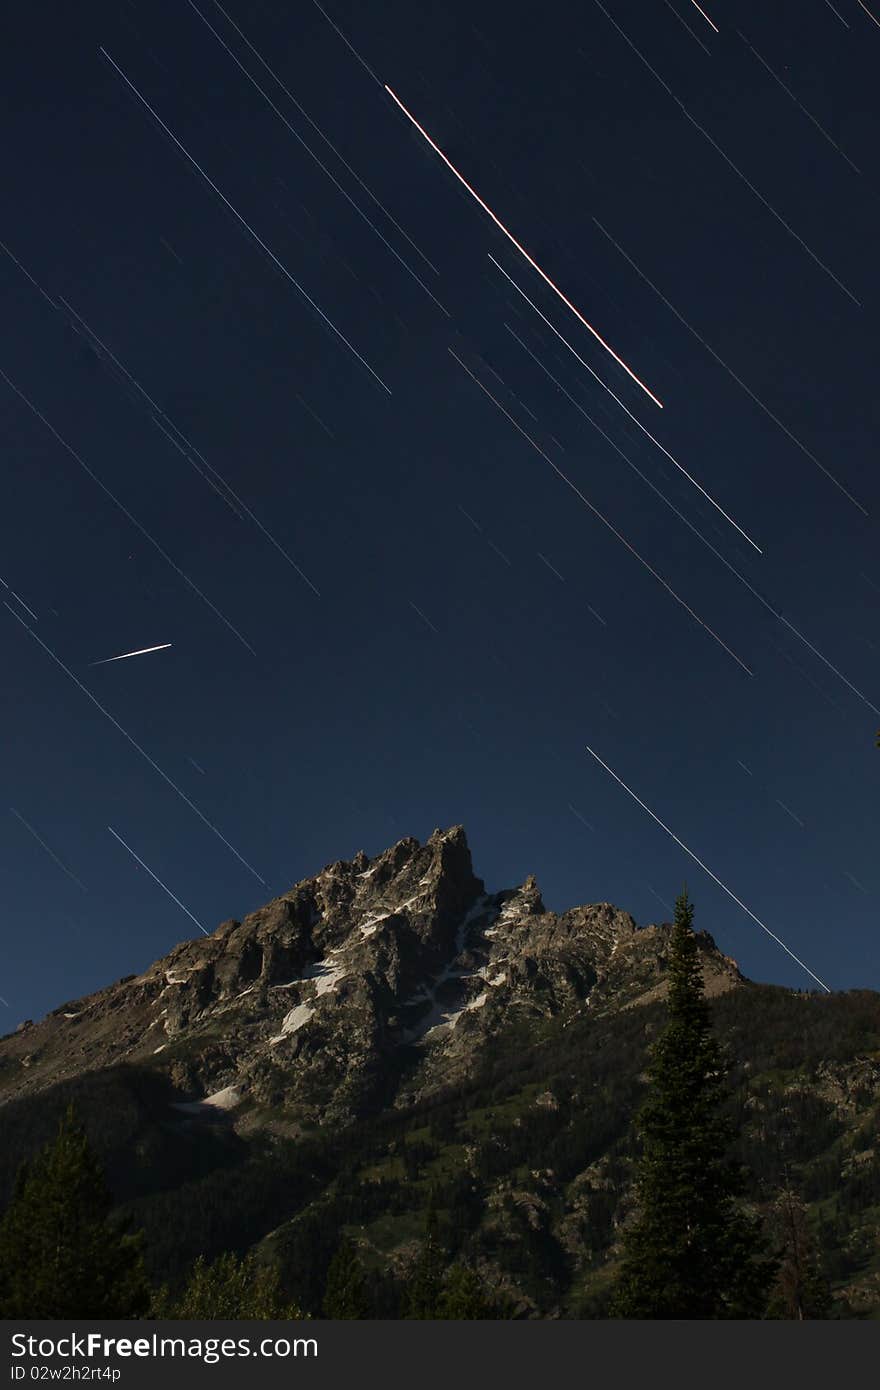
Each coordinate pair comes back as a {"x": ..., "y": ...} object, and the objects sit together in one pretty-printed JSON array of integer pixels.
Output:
[{"x": 373, "y": 974}]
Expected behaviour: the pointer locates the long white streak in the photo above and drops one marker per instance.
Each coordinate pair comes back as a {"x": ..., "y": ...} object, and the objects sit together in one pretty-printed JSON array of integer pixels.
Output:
[
  {"x": 122, "y": 507},
  {"x": 837, "y": 12},
  {"x": 706, "y": 17},
  {"x": 318, "y": 131},
  {"x": 739, "y": 381},
  {"x": 605, "y": 522},
  {"x": 708, "y": 871},
  {"x": 868, "y": 13},
  {"x": 522, "y": 250},
  {"x": 142, "y": 651},
  {"x": 237, "y": 506},
  {"x": 19, "y": 599},
  {"x": 247, "y": 226},
  {"x": 51, "y": 853},
  {"x": 684, "y": 22},
  {"x": 158, "y": 880},
  {"x": 144, "y": 754},
  {"x": 776, "y": 78},
  {"x": 309, "y": 151},
  {"x": 3, "y": 1001},
  {"x": 627, "y": 411},
  {"x": 350, "y": 46},
  {"x": 726, "y": 157}
]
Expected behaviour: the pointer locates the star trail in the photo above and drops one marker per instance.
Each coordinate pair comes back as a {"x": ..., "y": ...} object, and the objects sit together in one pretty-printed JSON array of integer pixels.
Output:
[{"x": 396, "y": 401}]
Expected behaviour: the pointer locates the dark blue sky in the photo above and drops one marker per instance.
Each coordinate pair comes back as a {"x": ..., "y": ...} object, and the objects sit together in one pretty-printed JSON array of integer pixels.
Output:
[{"x": 354, "y": 721}]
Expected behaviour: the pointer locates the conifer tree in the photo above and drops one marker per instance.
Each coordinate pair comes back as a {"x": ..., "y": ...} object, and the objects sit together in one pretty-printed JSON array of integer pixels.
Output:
[
  {"x": 61, "y": 1256},
  {"x": 424, "y": 1293},
  {"x": 345, "y": 1295},
  {"x": 690, "y": 1252},
  {"x": 228, "y": 1288}
]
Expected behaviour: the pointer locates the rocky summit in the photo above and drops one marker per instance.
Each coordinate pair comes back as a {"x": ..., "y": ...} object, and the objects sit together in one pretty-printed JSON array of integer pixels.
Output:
[
  {"x": 390, "y": 1036},
  {"x": 306, "y": 1005}
]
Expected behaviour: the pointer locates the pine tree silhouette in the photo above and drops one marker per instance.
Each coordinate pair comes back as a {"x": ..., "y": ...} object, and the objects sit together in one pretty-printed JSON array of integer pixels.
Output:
[
  {"x": 61, "y": 1254},
  {"x": 690, "y": 1252}
]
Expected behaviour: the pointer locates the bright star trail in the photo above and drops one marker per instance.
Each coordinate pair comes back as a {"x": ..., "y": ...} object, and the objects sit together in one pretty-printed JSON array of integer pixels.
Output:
[
  {"x": 158, "y": 880},
  {"x": 144, "y": 754},
  {"x": 222, "y": 248},
  {"x": 705, "y": 16},
  {"x": 523, "y": 252},
  {"x": 715, "y": 879},
  {"x": 142, "y": 651}
]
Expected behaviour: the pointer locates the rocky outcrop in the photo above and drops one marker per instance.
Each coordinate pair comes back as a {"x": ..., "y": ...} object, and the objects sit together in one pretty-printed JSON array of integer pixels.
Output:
[{"x": 374, "y": 980}]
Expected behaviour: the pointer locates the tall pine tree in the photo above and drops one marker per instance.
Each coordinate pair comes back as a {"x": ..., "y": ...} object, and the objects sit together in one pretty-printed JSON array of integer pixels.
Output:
[
  {"x": 61, "y": 1256},
  {"x": 690, "y": 1252}
]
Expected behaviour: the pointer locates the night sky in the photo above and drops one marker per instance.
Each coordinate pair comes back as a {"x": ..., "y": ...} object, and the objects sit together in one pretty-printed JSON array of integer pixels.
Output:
[{"x": 319, "y": 443}]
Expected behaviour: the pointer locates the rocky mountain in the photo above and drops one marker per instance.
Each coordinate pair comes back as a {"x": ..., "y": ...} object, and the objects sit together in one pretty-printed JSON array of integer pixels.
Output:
[
  {"x": 390, "y": 1032},
  {"x": 304, "y": 1007}
]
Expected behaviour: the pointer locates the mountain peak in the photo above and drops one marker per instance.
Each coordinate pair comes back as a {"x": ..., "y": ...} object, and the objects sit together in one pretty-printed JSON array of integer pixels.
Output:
[{"x": 313, "y": 1001}]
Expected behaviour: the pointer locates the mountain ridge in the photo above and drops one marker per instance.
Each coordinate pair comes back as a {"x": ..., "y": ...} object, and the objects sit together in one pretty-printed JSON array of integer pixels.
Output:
[{"x": 305, "y": 1002}]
